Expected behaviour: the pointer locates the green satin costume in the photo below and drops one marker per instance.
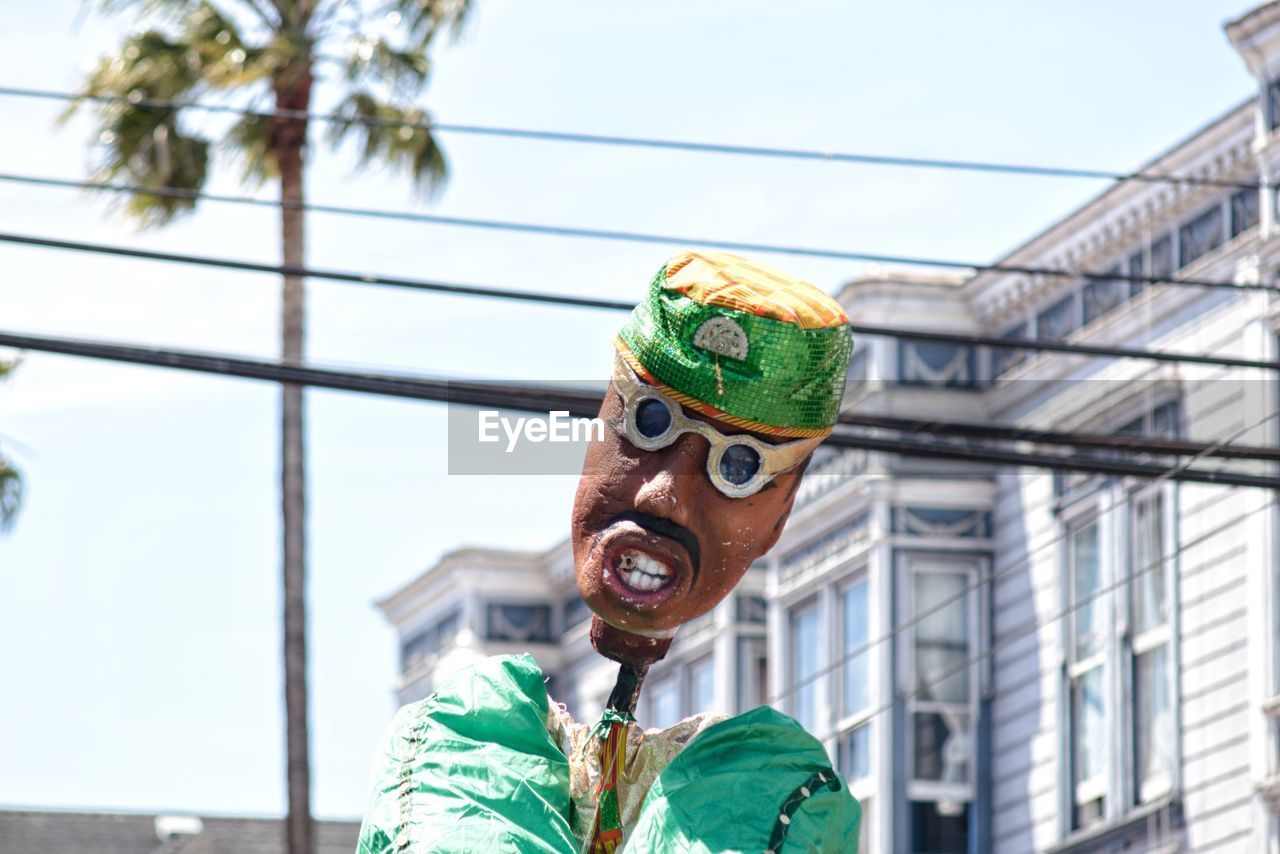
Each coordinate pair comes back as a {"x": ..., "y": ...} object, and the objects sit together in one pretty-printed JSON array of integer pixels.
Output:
[{"x": 489, "y": 764}]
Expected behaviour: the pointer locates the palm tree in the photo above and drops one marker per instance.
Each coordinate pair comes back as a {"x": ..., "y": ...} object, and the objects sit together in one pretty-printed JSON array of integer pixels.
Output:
[
  {"x": 10, "y": 477},
  {"x": 268, "y": 54}
]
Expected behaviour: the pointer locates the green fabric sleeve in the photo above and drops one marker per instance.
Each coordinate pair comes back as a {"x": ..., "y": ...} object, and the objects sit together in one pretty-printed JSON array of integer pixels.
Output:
[
  {"x": 727, "y": 791},
  {"x": 473, "y": 768}
]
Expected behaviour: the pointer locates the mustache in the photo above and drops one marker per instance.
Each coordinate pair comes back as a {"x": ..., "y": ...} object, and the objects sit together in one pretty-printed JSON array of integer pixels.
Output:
[{"x": 665, "y": 528}]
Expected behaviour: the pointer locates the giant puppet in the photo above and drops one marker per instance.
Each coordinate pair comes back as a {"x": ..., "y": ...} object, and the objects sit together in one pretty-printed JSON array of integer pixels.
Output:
[{"x": 726, "y": 377}]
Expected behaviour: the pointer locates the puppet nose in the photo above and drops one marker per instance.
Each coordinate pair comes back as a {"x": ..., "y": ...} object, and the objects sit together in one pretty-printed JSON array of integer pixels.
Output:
[
  {"x": 667, "y": 492},
  {"x": 658, "y": 496}
]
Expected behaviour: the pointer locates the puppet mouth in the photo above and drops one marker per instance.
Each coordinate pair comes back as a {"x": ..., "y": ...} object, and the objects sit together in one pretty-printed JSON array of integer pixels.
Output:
[
  {"x": 642, "y": 572},
  {"x": 643, "y": 569}
]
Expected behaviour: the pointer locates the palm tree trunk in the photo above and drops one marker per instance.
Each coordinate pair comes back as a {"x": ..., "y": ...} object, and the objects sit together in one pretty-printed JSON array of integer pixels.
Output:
[{"x": 290, "y": 142}]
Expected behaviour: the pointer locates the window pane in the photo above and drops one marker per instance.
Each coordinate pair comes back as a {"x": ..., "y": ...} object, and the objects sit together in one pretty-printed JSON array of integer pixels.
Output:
[
  {"x": 1273, "y": 104},
  {"x": 702, "y": 686},
  {"x": 1153, "y": 717},
  {"x": 1102, "y": 295},
  {"x": 665, "y": 702},
  {"x": 854, "y": 753},
  {"x": 1086, "y": 580},
  {"x": 940, "y": 744},
  {"x": 1004, "y": 359},
  {"x": 753, "y": 673},
  {"x": 857, "y": 687},
  {"x": 1200, "y": 236},
  {"x": 804, "y": 666},
  {"x": 1058, "y": 320},
  {"x": 1089, "y": 726},
  {"x": 1162, "y": 258},
  {"x": 1150, "y": 601},
  {"x": 1244, "y": 211},
  {"x": 941, "y": 639},
  {"x": 1137, "y": 268},
  {"x": 939, "y": 828}
]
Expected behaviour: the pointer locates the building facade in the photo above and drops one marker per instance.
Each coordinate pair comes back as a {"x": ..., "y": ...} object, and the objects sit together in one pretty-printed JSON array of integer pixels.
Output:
[{"x": 1004, "y": 659}]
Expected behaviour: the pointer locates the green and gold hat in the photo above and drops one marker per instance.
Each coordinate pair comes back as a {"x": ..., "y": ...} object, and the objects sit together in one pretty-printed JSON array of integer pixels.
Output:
[{"x": 742, "y": 343}]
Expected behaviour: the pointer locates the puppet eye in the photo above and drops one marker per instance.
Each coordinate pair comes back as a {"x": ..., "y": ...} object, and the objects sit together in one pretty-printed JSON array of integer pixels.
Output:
[
  {"x": 739, "y": 464},
  {"x": 653, "y": 418}
]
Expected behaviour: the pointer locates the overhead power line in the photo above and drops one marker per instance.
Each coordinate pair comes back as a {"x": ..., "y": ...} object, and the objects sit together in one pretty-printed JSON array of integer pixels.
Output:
[
  {"x": 1174, "y": 473},
  {"x": 771, "y": 152},
  {"x": 635, "y": 236},
  {"x": 538, "y": 398},
  {"x": 1036, "y": 626},
  {"x": 612, "y": 305}
]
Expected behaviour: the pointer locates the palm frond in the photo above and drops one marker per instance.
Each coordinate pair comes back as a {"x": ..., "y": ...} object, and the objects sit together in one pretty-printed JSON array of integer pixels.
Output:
[
  {"x": 10, "y": 494},
  {"x": 422, "y": 20},
  {"x": 225, "y": 60},
  {"x": 248, "y": 141},
  {"x": 374, "y": 60},
  {"x": 399, "y": 136}
]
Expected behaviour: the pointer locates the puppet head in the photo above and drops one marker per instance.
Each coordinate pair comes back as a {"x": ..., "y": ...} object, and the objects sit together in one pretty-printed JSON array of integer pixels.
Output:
[{"x": 727, "y": 376}]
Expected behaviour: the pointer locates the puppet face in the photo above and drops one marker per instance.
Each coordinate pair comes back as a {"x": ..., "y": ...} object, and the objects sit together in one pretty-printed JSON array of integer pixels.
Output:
[{"x": 655, "y": 543}]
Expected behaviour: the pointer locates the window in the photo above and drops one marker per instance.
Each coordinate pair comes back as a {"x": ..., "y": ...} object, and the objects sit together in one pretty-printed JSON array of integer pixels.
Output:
[
  {"x": 939, "y": 828},
  {"x": 434, "y": 639},
  {"x": 805, "y": 662},
  {"x": 1162, "y": 258},
  {"x": 1102, "y": 295},
  {"x": 753, "y": 673},
  {"x": 1087, "y": 660},
  {"x": 944, "y": 694},
  {"x": 855, "y": 675},
  {"x": 1244, "y": 211},
  {"x": 1137, "y": 269},
  {"x": 1005, "y": 359},
  {"x": 1119, "y": 668},
  {"x": 1200, "y": 236},
  {"x": 1273, "y": 105},
  {"x": 1058, "y": 320},
  {"x": 1153, "y": 732},
  {"x": 702, "y": 685},
  {"x": 664, "y": 703},
  {"x": 853, "y": 746}
]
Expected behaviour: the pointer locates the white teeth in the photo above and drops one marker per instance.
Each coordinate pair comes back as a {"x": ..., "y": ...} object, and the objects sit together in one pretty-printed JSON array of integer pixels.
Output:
[{"x": 642, "y": 572}]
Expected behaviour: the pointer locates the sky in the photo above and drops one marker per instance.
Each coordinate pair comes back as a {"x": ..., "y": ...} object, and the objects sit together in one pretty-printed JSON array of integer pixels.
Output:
[{"x": 139, "y": 590}]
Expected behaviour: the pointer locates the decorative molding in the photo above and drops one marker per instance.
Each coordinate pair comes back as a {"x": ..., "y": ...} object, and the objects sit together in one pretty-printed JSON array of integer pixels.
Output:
[
  {"x": 823, "y": 548},
  {"x": 518, "y": 622},
  {"x": 941, "y": 522}
]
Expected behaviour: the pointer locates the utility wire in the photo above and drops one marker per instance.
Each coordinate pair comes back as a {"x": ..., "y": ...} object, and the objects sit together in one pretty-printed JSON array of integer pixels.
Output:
[
  {"x": 540, "y": 398},
  {"x": 645, "y": 142},
  {"x": 635, "y": 236},
  {"x": 613, "y": 305},
  {"x": 1174, "y": 473},
  {"x": 1037, "y": 626}
]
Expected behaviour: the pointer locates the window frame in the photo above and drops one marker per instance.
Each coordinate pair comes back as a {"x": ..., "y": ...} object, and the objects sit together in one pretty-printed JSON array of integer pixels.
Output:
[
  {"x": 971, "y": 566},
  {"x": 1113, "y": 509},
  {"x": 793, "y": 687},
  {"x": 848, "y": 722}
]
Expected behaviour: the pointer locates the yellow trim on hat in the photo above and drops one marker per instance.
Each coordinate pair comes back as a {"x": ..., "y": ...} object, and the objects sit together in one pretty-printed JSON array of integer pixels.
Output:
[
  {"x": 709, "y": 410},
  {"x": 731, "y": 281}
]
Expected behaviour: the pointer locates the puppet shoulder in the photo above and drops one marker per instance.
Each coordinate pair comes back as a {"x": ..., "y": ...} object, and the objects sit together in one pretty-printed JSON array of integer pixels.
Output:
[
  {"x": 755, "y": 782},
  {"x": 472, "y": 768}
]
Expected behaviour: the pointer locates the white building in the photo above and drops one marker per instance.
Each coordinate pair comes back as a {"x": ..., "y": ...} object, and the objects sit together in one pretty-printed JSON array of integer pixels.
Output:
[{"x": 1096, "y": 669}]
